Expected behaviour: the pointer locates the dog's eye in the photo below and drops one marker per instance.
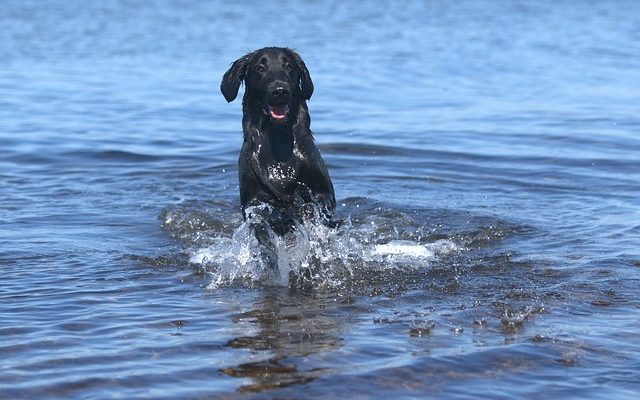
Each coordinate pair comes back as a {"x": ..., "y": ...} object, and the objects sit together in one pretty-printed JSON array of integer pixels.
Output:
[
  {"x": 260, "y": 68},
  {"x": 289, "y": 67}
]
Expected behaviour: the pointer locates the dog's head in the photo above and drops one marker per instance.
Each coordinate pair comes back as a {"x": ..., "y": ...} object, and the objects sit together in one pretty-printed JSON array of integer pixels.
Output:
[{"x": 275, "y": 80}]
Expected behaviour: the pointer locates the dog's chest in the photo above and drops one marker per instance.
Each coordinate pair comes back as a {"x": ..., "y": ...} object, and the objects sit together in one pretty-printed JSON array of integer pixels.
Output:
[
  {"x": 278, "y": 164},
  {"x": 281, "y": 172},
  {"x": 282, "y": 177}
]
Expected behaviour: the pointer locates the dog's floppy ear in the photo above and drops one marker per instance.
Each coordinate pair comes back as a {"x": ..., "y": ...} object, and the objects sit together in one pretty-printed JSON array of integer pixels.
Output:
[
  {"x": 306, "y": 85},
  {"x": 233, "y": 78}
]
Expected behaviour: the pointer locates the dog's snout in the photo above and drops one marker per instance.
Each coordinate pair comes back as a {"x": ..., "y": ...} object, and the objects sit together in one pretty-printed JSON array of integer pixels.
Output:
[{"x": 280, "y": 92}]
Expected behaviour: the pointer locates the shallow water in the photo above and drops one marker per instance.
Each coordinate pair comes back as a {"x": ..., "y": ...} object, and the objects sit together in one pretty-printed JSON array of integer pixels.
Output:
[{"x": 485, "y": 157}]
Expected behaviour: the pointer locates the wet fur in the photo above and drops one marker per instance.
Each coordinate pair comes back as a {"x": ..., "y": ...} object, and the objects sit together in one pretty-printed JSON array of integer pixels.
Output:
[{"x": 279, "y": 163}]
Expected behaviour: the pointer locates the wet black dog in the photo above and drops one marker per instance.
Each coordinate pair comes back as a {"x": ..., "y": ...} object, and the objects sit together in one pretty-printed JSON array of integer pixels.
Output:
[{"x": 279, "y": 163}]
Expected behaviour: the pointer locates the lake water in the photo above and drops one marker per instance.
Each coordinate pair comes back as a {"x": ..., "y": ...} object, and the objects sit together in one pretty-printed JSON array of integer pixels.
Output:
[{"x": 485, "y": 157}]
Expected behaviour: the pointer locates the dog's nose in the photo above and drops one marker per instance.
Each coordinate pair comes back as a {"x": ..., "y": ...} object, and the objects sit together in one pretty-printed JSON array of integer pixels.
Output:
[{"x": 280, "y": 92}]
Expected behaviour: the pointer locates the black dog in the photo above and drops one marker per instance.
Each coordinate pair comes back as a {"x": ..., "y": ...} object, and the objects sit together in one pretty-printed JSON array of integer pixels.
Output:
[{"x": 279, "y": 163}]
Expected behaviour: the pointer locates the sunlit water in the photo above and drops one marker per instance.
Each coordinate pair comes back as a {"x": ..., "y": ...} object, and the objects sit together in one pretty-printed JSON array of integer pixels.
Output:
[{"x": 486, "y": 161}]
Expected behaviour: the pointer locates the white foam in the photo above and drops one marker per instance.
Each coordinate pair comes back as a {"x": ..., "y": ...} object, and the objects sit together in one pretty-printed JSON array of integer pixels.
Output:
[{"x": 403, "y": 248}]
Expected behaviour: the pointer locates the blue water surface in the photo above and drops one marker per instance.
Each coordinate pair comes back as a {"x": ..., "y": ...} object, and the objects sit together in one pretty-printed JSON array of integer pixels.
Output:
[{"x": 486, "y": 155}]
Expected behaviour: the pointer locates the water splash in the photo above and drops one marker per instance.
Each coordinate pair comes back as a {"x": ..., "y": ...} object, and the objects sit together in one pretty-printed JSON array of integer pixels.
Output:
[
  {"x": 399, "y": 250},
  {"x": 310, "y": 253}
]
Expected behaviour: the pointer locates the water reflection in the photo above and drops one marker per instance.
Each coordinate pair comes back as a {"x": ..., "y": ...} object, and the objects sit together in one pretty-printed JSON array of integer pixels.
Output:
[{"x": 289, "y": 325}]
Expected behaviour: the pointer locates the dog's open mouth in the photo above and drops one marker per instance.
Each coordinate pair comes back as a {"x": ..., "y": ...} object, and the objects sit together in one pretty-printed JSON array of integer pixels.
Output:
[{"x": 278, "y": 112}]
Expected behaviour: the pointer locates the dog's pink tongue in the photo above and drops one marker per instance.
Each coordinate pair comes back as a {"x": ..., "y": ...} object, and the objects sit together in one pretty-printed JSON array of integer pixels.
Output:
[{"x": 279, "y": 111}]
